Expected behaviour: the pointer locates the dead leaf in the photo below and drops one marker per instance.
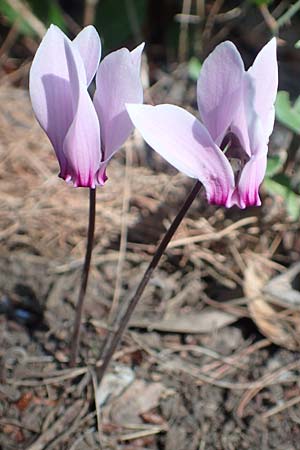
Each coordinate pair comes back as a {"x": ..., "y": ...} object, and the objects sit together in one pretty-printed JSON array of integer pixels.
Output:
[
  {"x": 206, "y": 321},
  {"x": 284, "y": 288},
  {"x": 24, "y": 401},
  {"x": 139, "y": 398},
  {"x": 153, "y": 418},
  {"x": 114, "y": 383},
  {"x": 278, "y": 324}
]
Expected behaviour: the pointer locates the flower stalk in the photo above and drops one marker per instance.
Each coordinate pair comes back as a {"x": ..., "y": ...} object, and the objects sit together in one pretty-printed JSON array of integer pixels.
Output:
[
  {"x": 84, "y": 279},
  {"x": 112, "y": 342}
]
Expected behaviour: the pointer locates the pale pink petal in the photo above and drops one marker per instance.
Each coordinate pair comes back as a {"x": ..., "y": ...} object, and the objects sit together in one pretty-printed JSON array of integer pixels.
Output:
[
  {"x": 246, "y": 124},
  {"x": 248, "y": 128},
  {"x": 51, "y": 91},
  {"x": 185, "y": 143},
  {"x": 101, "y": 175},
  {"x": 118, "y": 82},
  {"x": 219, "y": 89},
  {"x": 245, "y": 115},
  {"x": 251, "y": 178},
  {"x": 254, "y": 171},
  {"x": 265, "y": 74},
  {"x": 88, "y": 44},
  {"x": 136, "y": 54},
  {"x": 82, "y": 143}
]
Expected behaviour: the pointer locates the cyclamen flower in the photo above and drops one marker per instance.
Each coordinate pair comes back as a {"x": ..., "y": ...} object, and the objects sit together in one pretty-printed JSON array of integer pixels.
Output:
[
  {"x": 84, "y": 133},
  {"x": 227, "y": 152}
]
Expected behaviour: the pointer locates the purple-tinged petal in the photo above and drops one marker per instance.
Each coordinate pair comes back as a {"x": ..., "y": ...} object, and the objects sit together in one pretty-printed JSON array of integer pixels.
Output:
[
  {"x": 250, "y": 132},
  {"x": 265, "y": 74},
  {"x": 248, "y": 128},
  {"x": 88, "y": 44},
  {"x": 186, "y": 144},
  {"x": 82, "y": 143},
  {"x": 219, "y": 89},
  {"x": 118, "y": 82},
  {"x": 101, "y": 175},
  {"x": 51, "y": 91},
  {"x": 246, "y": 124},
  {"x": 245, "y": 115},
  {"x": 250, "y": 180},
  {"x": 136, "y": 55}
]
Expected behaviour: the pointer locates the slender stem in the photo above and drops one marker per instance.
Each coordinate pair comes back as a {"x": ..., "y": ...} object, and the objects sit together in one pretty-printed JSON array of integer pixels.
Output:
[
  {"x": 84, "y": 279},
  {"x": 123, "y": 238},
  {"x": 111, "y": 346}
]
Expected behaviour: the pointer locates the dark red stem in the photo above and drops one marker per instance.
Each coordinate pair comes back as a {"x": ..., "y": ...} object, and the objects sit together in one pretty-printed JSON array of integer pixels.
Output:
[{"x": 84, "y": 279}]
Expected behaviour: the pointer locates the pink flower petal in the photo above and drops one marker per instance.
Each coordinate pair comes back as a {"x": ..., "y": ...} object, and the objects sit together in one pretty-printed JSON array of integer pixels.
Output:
[
  {"x": 82, "y": 143},
  {"x": 265, "y": 74},
  {"x": 118, "y": 82},
  {"x": 251, "y": 178},
  {"x": 219, "y": 89},
  {"x": 88, "y": 44},
  {"x": 185, "y": 143},
  {"x": 248, "y": 128},
  {"x": 136, "y": 55},
  {"x": 51, "y": 91},
  {"x": 245, "y": 115},
  {"x": 247, "y": 124}
]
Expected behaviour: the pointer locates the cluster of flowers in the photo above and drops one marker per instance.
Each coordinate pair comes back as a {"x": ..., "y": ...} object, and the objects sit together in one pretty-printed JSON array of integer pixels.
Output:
[{"x": 226, "y": 151}]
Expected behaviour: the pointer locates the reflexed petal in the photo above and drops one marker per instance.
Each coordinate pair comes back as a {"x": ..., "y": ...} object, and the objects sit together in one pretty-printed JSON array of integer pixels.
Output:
[
  {"x": 51, "y": 91},
  {"x": 248, "y": 128},
  {"x": 185, "y": 143},
  {"x": 136, "y": 55},
  {"x": 254, "y": 170},
  {"x": 245, "y": 114},
  {"x": 118, "y": 82},
  {"x": 265, "y": 73},
  {"x": 219, "y": 89},
  {"x": 101, "y": 175},
  {"x": 251, "y": 178},
  {"x": 246, "y": 123},
  {"x": 82, "y": 142},
  {"x": 89, "y": 46}
]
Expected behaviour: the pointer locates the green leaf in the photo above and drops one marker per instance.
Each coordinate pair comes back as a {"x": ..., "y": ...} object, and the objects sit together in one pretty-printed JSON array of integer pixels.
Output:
[
  {"x": 296, "y": 107},
  {"x": 293, "y": 205},
  {"x": 287, "y": 114},
  {"x": 194, "y": 68},
  {"x": 283, "y": 179},
  {"x": 275, "y": 164},
  {"x": 273, "y": 187},
  {"x": 48, "y": 11},
  {"x": 281, "y": 186},
  {"x": 297, "y": 45},
  {"x": 12, "y": 16},
  {"x": 114, "y": 24},
  {"x": 261, "y": 2}
]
